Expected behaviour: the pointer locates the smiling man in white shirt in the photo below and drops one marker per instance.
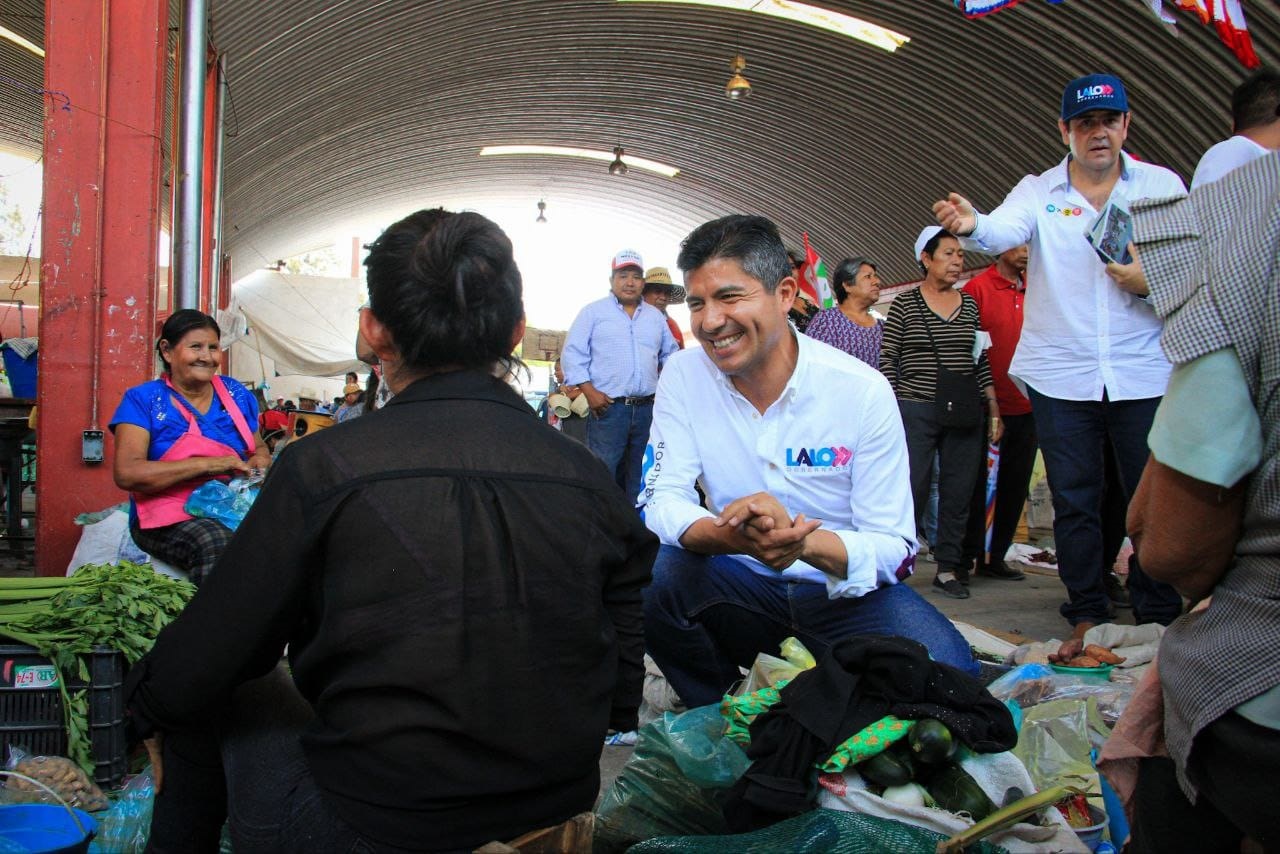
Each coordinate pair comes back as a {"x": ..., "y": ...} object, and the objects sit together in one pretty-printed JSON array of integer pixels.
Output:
[
  {"x": 1089, "y": 354},
  {"x": 800, "y": 451}
]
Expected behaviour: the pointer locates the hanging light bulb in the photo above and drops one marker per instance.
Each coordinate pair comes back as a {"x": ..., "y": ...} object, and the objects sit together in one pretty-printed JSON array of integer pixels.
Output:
[
  {"x": 617, "y": 167},
  {"x": 738, "y": 86},
  {"x": 542, "y": 208}
]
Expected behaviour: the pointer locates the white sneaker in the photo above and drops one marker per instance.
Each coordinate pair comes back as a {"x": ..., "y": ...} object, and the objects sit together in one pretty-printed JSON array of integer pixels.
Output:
[{"x": 614, "y": 738}]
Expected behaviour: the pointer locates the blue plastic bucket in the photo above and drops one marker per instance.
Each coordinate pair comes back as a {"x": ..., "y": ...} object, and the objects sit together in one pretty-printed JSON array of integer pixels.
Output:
[
  {"x": 22, "y": 372},
  {"x": 46, "y": 828}
]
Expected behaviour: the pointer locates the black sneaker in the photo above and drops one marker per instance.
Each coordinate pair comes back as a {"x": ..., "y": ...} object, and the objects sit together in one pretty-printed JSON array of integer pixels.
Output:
[
  {"x": 951, "y": 588},
  {"x": 1001, "y": 569},
  {"x": 962, "y": 574},
  {"x": 1116, "y": 591}
]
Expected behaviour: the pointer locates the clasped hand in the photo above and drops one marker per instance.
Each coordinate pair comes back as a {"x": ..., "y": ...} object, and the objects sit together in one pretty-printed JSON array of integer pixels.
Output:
[{"x": 766, "y": 529}]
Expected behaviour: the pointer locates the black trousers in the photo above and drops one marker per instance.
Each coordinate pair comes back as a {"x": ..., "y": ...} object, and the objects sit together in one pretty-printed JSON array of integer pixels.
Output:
[
  {"x": 957, "y": 448},
  {"x": 1013, "y": 482},
  {"x": 1235, "y": 765}
]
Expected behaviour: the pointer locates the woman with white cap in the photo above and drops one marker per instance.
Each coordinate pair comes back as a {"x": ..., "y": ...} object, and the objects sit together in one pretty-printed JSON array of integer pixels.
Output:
[{"x": 945, "y": 394}]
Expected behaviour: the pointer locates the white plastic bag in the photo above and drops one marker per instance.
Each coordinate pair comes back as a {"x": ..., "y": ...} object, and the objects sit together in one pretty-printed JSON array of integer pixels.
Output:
[
  {"x": 105, "y": 539},
  {"x": 993, "y": 772}
]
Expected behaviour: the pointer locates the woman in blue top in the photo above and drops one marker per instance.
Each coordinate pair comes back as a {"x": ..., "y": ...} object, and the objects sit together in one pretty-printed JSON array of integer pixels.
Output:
[{"x": 174, "y": 433}]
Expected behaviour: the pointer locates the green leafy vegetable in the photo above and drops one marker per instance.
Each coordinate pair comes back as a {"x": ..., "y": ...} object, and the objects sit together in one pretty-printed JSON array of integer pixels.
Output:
[{"x": 121, "y": 606}]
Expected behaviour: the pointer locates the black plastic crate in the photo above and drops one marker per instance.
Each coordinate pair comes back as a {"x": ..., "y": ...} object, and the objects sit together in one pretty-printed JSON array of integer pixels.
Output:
[{"x": 31, "y": 714}]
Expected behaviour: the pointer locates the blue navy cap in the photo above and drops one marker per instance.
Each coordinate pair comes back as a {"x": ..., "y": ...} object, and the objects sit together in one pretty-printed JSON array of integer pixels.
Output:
[{"x": 1093, "y": 92}]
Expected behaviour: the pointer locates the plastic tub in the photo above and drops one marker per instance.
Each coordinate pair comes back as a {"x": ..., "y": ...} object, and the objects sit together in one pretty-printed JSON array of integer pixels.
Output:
[
  {"x": 1092, "y": 835},
  {"x": 46, "y": 828},
  {"x": 1088, "y": 674}
]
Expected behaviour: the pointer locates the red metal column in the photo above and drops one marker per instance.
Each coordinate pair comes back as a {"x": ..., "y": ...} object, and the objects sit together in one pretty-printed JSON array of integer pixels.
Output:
[{"x": 104, "y": 72}]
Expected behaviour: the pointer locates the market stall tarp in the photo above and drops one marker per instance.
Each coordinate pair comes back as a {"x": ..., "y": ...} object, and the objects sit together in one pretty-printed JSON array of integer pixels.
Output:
[{"x": 280, "y": 323}]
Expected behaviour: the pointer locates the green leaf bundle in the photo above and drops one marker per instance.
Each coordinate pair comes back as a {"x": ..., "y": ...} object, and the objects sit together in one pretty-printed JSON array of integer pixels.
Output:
[{"x": 122, "y": 606}]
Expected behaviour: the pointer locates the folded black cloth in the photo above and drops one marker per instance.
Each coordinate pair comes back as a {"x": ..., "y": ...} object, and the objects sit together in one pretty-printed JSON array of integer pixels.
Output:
[{"x": 857, "y": 682}]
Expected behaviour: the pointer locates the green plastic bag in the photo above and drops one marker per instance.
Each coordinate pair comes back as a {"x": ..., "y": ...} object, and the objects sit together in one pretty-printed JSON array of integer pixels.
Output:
[{"x": 674, "y": 784}]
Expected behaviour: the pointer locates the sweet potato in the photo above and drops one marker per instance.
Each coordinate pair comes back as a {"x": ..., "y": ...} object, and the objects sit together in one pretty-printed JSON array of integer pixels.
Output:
[
  {"x": 63, "y": 776},
  {"x": 1084, "y": 661},
  {"x": 1103, "y": 654}
]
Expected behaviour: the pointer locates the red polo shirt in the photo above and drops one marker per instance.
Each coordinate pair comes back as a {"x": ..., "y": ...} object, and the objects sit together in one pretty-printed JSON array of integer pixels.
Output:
[
  {"x": 1000, "y": 309},
  {"x": 675, "y": 331}
]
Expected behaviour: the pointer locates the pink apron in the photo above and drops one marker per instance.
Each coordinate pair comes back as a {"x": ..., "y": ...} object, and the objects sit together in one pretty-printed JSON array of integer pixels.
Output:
[{"x": 159, "y": 509}]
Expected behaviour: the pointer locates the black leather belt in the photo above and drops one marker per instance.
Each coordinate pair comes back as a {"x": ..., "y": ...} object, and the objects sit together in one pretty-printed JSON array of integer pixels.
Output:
[{"x": 636, "y": 401}]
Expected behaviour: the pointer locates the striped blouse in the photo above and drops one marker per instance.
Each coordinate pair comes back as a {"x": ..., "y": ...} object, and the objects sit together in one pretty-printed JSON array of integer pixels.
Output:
[{"x": 906, "y": 356}]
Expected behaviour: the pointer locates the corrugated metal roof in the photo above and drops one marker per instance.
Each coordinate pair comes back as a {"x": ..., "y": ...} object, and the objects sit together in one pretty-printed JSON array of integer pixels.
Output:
[{"x": 340, "y": 106}]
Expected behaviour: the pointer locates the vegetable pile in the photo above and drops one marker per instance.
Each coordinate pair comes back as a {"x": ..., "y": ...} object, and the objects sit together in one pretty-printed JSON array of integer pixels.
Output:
[
  {"x": 919, "y": 770},
  {"x": 121, "y": 606}
]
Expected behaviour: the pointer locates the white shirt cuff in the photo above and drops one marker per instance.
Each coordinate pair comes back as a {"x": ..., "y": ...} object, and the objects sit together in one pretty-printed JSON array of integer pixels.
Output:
[
  {"x": 861, "y": 576},
  {"x": 670, "y": 521}
]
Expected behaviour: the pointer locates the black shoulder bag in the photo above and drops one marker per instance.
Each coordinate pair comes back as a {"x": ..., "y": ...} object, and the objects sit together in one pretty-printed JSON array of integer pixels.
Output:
[{"x": 956, "y": 402}]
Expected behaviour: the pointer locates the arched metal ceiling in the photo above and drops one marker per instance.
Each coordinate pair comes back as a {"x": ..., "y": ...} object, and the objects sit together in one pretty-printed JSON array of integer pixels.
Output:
[{"x": 341, "y": 106}]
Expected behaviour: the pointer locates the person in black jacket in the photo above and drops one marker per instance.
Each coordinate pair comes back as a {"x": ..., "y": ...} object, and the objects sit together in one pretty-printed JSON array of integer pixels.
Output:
[{"x": 458, "y": 586}]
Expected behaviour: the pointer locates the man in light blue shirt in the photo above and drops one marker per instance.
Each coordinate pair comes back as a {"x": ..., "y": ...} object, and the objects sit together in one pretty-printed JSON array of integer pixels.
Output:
[{"x": 613, "y": 352}]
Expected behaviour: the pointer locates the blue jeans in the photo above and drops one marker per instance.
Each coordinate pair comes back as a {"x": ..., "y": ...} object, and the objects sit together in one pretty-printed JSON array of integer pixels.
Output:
[
  {"x": 1075, "y": 436},
  {"x": 619, "y": 438},
  {"x": 707, "y": 615}
]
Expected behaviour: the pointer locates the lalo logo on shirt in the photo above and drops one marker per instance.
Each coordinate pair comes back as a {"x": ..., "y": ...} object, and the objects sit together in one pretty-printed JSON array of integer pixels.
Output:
[{"x": 835, "y": 457}]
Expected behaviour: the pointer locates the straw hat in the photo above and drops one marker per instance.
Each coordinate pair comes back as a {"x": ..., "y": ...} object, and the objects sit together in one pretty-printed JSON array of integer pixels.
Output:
[{"x": 660, "y": 277}]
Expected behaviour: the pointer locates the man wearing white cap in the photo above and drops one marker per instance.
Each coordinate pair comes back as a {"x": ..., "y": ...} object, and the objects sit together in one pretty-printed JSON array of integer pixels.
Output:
[
  {"x": 613, "y": 352},
  {"x": 1089, "y": 354}
]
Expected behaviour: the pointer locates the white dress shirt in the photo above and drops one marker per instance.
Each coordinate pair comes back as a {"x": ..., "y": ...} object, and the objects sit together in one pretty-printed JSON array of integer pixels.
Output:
[
  {"x": 831, "y": 447},
  {"x": 1226, "y": 156},
  {"x": 1081, "y": 333}
]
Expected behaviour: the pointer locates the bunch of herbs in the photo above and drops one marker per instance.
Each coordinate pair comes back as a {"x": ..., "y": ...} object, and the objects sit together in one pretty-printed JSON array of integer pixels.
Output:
[{"x": 122, "y": 606}]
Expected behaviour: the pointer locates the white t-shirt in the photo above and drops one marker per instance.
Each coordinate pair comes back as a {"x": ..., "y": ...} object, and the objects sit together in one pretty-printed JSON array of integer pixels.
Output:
[
  {"x": 1080, "y": 332},
  {"x": 1224, "y": 157},
  {"x": 831, "y": 447}
]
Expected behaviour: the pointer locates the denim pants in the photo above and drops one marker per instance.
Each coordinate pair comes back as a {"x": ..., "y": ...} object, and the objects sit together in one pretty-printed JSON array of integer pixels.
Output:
[
  {"x": 619, "y": 438},
  {"x": 1075, "y": 436},
  {"x": 707, "y": 615},
  {"x": 957, "y": 450}
]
